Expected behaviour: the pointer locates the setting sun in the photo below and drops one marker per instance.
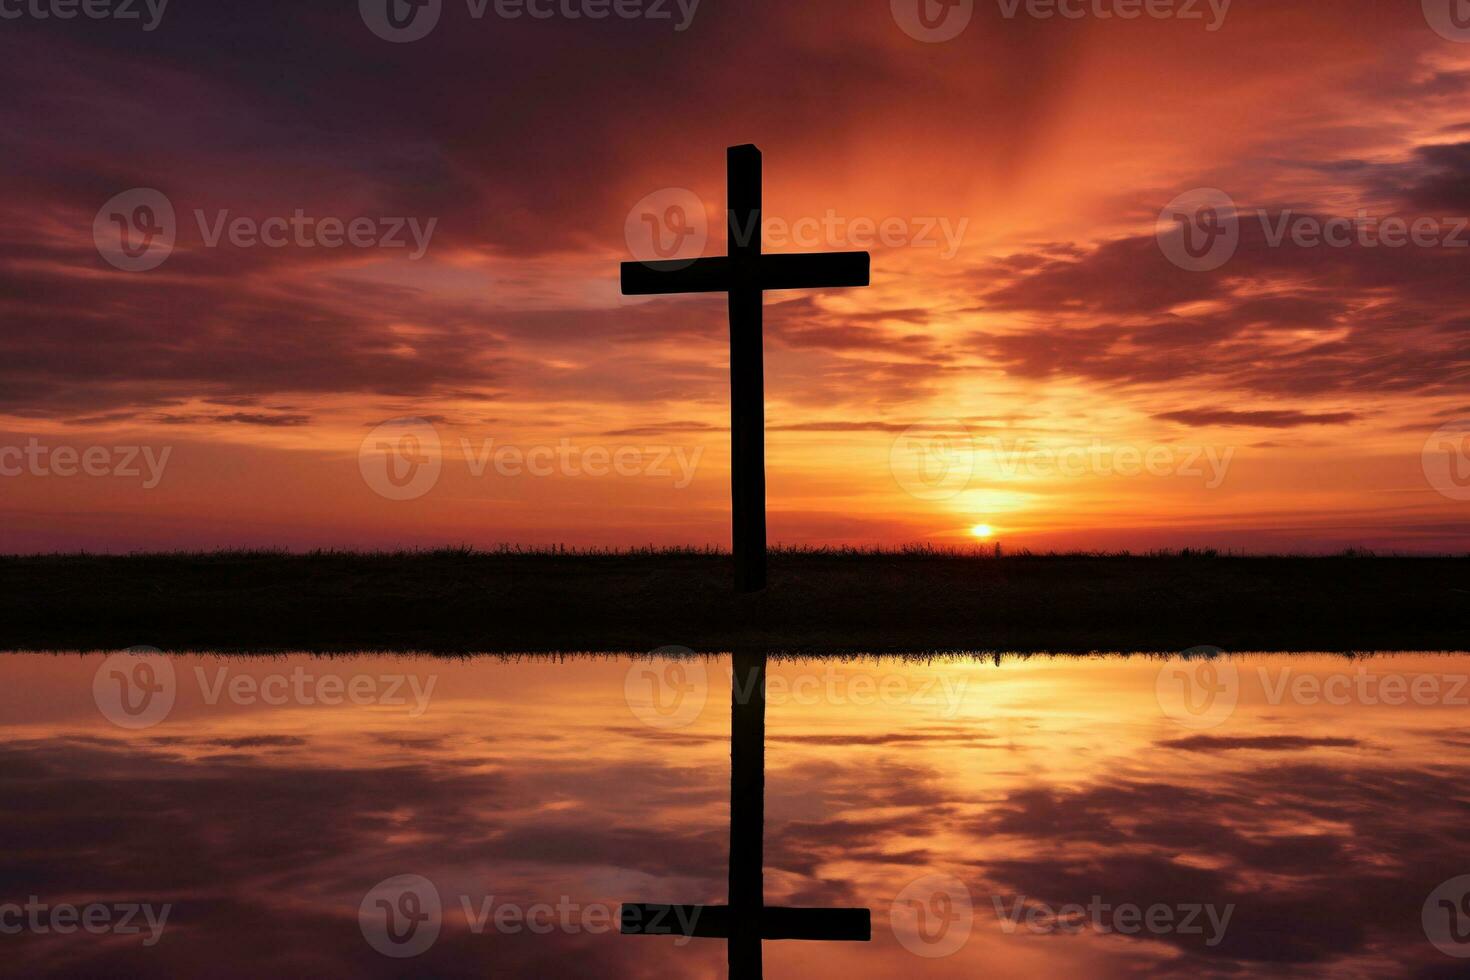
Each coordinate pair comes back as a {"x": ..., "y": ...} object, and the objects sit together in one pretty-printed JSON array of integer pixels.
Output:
[{"x": 982, "y": 531}]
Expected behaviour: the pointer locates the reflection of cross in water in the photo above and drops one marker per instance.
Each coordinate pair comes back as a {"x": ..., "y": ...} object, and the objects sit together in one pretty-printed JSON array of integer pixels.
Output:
[
  {"x": 747, "y": 919},
  {"x": 746, "y": 274}
]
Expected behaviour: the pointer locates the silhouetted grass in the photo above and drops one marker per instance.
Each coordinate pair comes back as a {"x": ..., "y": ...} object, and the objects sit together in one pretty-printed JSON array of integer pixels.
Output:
[
  {"x": 821, "y": 600},
  {"x": 920, "y": 550}
]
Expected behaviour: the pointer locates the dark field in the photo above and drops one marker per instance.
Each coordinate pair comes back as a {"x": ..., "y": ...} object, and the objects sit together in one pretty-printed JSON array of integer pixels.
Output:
[{"x": 463, "y": 601}]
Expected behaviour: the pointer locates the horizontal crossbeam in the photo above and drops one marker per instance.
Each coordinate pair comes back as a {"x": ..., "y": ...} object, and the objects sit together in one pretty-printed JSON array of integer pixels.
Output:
[
  {"x": 814, "y": 270},
  {"x": 678, "y": 276},
  {"x": 777, "y": 922}
]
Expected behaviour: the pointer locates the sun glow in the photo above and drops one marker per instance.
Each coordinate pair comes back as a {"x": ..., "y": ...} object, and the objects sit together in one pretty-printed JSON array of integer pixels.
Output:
[{"x": 982, "y": 531}]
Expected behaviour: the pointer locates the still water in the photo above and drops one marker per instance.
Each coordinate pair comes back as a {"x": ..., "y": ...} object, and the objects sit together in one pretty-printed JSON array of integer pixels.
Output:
[{"x": 387, "y": 816}]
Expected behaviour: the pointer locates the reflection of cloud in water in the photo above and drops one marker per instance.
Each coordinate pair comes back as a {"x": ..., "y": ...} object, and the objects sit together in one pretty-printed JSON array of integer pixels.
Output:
[{"x": 1324, "y": 827}]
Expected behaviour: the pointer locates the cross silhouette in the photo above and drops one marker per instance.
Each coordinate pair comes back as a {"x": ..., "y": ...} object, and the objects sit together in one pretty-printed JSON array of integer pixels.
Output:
[
  {"x": 747, "y": 919},
  {"x": 746, "y": 273}
]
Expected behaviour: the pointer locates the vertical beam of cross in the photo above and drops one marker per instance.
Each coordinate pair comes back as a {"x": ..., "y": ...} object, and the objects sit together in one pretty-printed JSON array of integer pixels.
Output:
[
  {"x": 747, "y": 369},
  {"x": 747, "y": 813}
]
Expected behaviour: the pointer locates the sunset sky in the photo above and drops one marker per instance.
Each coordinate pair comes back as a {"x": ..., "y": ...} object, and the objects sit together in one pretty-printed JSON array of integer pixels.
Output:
[{"x": 1022, "y": 310}]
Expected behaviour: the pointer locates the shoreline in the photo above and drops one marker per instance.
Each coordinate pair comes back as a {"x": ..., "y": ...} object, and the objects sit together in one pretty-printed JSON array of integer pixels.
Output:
[{"x": 841, "y": 602}]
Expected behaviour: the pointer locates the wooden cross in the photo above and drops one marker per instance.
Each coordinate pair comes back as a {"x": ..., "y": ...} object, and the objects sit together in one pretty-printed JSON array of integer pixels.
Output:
[
  {"x": 745, "y": 273},
  {"x": 747, "y": 919}
]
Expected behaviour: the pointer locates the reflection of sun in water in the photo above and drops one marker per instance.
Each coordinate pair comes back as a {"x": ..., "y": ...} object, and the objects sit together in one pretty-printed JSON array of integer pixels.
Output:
[{"x": 982, "y": 531}]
